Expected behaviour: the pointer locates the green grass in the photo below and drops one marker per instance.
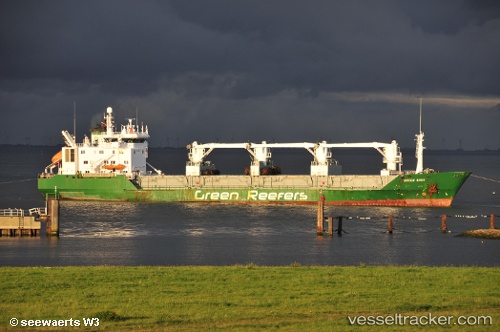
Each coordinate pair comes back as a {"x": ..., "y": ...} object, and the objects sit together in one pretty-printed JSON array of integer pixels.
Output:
[{"x": 246, "y": 298}]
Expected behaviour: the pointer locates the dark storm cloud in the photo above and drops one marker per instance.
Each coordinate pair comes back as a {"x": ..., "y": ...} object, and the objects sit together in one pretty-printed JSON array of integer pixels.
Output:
[
  {"x": 318, "y": 45},
  {"x": 83, "y": 40},
  {"x": 361, "y": 45},
  {"x": 292, "y": 70}
]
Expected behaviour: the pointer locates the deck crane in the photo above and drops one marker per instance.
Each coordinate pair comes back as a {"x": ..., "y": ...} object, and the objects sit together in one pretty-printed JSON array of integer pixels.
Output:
[
  {"x": 322, "y": 165},
  {"x": 393, "y": 158}
]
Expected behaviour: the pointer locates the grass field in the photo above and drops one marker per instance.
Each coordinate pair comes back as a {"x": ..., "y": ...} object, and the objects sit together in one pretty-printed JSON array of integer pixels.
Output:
[{"x": 248, "y": 298}]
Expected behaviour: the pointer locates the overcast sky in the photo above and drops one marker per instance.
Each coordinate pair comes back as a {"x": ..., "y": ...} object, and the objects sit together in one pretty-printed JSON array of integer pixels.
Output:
[{"x": 238, "y": 71}]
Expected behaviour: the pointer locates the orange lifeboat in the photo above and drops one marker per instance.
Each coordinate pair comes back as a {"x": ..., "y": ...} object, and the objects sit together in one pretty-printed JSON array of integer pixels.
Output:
[
  {"x": 112, "y": 167},
  {"x": 57, "y": 156}
]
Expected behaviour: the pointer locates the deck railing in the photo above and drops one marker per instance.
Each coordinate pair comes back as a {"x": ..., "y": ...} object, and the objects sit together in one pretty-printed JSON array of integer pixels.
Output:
[
  {"x": 40, "y": 211},
  {"x": 12, "y": 212}
]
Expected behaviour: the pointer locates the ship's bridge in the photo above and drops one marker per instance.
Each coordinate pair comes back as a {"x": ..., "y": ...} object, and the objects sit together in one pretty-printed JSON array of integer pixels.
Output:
[{"x": 107, "y": 151}]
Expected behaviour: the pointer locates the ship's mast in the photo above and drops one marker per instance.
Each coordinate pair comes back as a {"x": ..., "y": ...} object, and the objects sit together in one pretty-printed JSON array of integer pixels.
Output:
[
  {"x": 419, "y": 152},
  {"x": 109, "y": 122},
  {"x": 74, "y": 120}
]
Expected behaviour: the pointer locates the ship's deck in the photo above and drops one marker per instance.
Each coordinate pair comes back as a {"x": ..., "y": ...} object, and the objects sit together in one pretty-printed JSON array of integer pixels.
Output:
[{"x": 269, "y": 182}]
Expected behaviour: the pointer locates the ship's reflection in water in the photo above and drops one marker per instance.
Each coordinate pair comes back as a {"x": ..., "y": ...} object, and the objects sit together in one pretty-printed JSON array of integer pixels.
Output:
[{"x": 100, "y": 219}]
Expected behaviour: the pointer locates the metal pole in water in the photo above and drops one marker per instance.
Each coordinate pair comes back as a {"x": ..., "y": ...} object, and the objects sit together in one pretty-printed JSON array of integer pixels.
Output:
[
  {"x": 492, "y": 221},
  {"x": 339, "y": 229}
]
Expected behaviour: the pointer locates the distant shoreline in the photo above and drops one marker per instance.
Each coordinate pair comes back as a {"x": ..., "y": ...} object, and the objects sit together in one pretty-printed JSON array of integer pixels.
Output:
[{"x": 405, "y": 150}]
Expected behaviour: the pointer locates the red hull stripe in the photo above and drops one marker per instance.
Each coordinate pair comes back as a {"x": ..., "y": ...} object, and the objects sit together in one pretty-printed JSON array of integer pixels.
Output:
[{"x": 436, "y": 202}]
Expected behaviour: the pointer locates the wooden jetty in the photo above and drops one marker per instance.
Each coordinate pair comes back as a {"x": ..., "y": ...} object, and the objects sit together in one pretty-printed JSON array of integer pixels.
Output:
[{"x": 18, "y": 222}]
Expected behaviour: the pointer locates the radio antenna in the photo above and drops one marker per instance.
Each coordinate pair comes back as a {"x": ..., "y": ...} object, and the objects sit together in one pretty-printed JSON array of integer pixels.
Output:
[
  {"x": 74, "y": 120},
  {"x": 419, "y": 151},
  {"x": 420, "y": 114}
]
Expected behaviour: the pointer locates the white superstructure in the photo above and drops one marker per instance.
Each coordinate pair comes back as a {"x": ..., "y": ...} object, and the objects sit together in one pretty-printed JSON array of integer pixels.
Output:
[
  {"x": 106, "y": 151},
  {"x": 126, "y": 151}
]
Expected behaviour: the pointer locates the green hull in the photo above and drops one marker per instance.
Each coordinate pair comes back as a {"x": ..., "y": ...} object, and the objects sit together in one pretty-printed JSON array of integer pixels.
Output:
[{"x": 433, "y": 189}]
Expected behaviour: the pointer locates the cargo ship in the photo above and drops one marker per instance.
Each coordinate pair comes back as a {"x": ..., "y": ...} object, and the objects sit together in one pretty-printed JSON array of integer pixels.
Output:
[{"x": 112, "y": 166}]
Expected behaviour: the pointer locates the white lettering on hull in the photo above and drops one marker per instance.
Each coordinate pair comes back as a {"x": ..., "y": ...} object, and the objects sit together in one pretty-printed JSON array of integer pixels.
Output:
[
  {"x": 253, "y": 195},
  {"x": 414, "y": 180},
  {"x": 216, "y": 196}
]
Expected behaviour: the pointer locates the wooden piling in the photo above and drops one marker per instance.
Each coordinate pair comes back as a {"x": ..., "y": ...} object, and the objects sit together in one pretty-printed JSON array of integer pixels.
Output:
[
  {"x": 339, "y": 229},
  {"x": 389, "y": 226},
  {"x": 443, "y": 223},
  {"x": 492, "y": 221},
  {"x": 321, "y": 214},
  {"x": 330, "y": 226},
  {"x": 52, "y": 225}
]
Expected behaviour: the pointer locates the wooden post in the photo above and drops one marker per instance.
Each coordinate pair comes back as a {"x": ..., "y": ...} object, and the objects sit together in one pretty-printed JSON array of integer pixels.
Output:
[
  {"x": 389, "y": 226},
  {"x": 52, "y": 226},
  {"x": 339, "y": 229},
  {"x": 321, "y": 213},
  {"x": 330, "y": 226},
  {"x": 443, "y": 223},
  {"x": 492, "y": 221}
]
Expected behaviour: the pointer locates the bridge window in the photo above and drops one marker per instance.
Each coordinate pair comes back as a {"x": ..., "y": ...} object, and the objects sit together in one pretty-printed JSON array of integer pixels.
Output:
[{"x": 69, "y": 155}]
